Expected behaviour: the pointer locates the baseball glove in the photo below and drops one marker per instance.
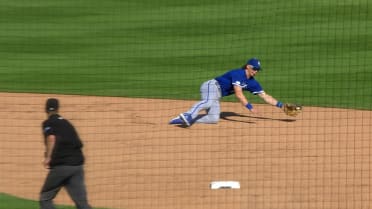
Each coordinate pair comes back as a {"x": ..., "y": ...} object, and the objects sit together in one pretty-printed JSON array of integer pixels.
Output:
[{"x": 292, "y": 109}]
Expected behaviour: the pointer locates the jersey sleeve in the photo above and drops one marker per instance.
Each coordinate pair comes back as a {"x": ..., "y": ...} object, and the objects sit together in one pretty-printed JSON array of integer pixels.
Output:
[
  {"x": 236, "y": 80},
  {"x": 256, "y": 88},
  {"x": 48, "y": 129}
]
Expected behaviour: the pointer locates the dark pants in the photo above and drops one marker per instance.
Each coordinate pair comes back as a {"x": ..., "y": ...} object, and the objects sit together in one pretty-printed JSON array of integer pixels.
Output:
[{"x": 70, "y": 177}]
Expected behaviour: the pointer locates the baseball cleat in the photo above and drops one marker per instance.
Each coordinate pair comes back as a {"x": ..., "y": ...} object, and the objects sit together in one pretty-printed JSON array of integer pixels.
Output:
[
  {"x": 186, "y": 118},
  {"x": 176, "y": 120}
]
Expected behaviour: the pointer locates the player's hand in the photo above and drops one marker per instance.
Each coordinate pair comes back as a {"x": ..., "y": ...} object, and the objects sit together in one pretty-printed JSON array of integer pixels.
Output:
[{"x": 253, "y": 110}]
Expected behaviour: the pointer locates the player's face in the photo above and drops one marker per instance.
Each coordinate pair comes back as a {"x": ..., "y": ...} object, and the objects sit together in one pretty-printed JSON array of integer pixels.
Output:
[{"x": 252, "y": 72}]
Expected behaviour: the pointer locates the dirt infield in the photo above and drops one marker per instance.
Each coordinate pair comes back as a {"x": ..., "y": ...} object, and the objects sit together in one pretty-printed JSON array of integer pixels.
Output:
[{"x": 135, "y": 160}]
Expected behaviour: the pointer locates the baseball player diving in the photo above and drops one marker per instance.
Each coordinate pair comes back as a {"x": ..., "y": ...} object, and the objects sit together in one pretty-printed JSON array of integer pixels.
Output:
[{"x": 232, "y": 82}]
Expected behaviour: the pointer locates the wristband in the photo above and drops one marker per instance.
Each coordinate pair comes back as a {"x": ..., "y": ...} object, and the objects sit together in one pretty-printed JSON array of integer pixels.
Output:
[
  {"x": 249, "y": 106},
  {"x": 279, "y": 104}
]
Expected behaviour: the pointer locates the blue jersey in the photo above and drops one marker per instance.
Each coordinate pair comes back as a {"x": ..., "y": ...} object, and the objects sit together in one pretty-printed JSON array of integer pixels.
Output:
[{"x": 238, "y": 77}]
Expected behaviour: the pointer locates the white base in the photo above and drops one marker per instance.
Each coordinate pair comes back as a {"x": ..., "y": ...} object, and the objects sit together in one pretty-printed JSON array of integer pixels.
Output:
[{"x": 225, "y": 185}]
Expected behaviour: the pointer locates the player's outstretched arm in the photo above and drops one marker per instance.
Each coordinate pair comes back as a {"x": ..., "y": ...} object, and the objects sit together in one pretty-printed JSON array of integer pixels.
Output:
[
  {"x": 268, "y": 99},
  {"x": 288, "y": 108},
  {"x": 241, "y": 97}
]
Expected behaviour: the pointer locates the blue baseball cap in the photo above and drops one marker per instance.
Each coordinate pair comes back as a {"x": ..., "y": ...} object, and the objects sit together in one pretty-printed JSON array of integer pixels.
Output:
[{"x": 255, "y": 63}]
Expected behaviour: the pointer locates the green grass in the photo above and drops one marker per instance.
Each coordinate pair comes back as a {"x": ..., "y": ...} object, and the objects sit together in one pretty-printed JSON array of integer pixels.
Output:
[
  {"x": 313, "y": 52},
  {"x": 12, "y": 202}
]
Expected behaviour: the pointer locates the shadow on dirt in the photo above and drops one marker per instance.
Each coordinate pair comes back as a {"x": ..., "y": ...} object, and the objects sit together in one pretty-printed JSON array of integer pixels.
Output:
[{"x": 232, "y": 116}]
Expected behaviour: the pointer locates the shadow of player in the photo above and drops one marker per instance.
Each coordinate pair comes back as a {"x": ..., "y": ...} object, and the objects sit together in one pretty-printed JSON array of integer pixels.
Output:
[{"x": 228, "y": 115}]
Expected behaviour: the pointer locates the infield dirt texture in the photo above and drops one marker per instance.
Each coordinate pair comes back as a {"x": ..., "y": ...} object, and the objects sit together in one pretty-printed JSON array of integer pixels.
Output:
[
  {"x": 147, "y": 60},
  {"x": 320, "y": 159}
]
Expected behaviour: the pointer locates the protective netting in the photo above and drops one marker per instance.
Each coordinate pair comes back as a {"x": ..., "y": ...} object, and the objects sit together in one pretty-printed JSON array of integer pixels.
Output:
[{"x": 123, "y": 69}]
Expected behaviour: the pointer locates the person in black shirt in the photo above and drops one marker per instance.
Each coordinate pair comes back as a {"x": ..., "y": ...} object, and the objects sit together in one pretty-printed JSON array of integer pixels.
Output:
[{"x": 64, "y": 159}]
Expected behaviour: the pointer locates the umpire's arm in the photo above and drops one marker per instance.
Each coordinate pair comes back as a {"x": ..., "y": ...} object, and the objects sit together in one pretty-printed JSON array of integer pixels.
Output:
[{"x": 49, "y": 146}]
